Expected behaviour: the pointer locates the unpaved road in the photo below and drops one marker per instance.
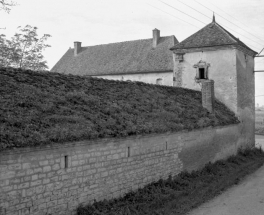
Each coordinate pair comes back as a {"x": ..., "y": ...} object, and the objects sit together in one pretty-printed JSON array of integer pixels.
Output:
[
  {"x": 259, "y": 141},
  {"x": 246, "y": 198}
]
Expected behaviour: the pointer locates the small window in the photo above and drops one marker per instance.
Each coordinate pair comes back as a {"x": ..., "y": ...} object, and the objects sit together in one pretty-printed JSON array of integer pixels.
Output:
[
  {"x": 159, "y": 81},
  {"x": 66, "y": 161},
  {"x": 202, "y": 73},
  {"x": 128, "y": 151},
  {"x": 201, "y": 70}
]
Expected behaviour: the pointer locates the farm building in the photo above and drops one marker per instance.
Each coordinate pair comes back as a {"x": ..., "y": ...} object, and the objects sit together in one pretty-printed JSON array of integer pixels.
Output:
[
  {"x": 211, "y": 53},
  {"x": 214, "y": 53},
  {"x": 146, "y": 60},
  {"x": 70, "y": 139}
]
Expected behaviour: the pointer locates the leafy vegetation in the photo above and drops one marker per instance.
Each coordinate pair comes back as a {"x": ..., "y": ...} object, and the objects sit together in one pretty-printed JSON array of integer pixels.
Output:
[
  {"x": 6, "y": 5},
  {"x": 24, "y": 49},
  {"x": 40, "y": 107},
  {"x": 181, "y": 194}
]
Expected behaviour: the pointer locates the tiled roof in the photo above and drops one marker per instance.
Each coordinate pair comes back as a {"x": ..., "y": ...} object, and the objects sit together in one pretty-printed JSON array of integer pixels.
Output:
[
  {"x": 117, "y": 58},
  {"x": 211, "y": 35}
]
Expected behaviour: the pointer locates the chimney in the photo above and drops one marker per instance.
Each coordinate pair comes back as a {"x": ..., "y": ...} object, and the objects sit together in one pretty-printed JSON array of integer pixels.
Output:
[
  {"x": 156, "y": 36},
  {"x": 208, "y": 95},
  {"x": 77, "y": 48}
]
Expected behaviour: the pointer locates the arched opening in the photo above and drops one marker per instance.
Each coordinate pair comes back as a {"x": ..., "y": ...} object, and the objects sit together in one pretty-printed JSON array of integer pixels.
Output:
[{"x": 159, "y": 81}]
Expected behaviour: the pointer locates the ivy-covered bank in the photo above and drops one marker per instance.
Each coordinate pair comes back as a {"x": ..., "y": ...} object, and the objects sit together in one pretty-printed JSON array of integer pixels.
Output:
[{"x": 42, "y": 107}]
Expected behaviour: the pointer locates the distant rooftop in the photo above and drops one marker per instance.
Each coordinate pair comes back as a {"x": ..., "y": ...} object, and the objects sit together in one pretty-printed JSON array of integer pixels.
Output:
[{"x": 136, "y": 56}]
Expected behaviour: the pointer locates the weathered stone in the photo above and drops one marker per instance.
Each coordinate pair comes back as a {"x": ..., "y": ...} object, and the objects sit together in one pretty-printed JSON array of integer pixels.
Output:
[{"x": 43, "y": 191}]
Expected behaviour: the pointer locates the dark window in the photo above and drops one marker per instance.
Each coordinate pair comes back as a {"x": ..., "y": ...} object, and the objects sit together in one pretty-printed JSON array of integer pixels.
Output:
[
  {"x": 66, "y": 161},
  {"x": 201, "y": 73}
]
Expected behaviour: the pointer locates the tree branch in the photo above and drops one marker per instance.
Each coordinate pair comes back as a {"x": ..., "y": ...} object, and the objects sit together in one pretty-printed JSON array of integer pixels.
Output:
[{"x": 6, "y": 4}]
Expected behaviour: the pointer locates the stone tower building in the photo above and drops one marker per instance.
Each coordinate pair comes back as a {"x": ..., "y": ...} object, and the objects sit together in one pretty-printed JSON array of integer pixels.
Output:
[{"x": 214, "y": 53}]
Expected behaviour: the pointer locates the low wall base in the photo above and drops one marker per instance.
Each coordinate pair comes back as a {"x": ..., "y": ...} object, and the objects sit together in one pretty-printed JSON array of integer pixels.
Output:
[{"x": 55, "y": 179}]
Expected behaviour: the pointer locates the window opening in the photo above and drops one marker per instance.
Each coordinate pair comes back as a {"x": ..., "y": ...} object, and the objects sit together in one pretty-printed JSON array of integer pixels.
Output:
[
  {"x": 201, "y": 73},
  {"x": 159, "y": 81},
  {"x": 66, "y": 161}
]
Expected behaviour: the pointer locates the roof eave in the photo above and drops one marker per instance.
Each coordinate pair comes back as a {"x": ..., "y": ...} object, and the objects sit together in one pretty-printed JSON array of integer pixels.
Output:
[
  {"x": 132, "y": 72},
  {"x": 135, "y": 72},
  {"x": 212, "y": 48}
]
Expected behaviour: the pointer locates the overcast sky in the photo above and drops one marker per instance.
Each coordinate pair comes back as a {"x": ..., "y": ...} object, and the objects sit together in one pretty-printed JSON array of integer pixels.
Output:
[{"x": 94, "y": 22}]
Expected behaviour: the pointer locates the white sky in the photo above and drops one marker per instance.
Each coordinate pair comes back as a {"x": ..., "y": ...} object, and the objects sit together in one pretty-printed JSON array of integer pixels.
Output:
[{"x": 94, "y": 22}]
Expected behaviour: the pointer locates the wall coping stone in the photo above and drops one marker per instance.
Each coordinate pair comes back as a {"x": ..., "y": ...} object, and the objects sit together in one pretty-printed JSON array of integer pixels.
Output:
[{"x": 62, "y": 145}]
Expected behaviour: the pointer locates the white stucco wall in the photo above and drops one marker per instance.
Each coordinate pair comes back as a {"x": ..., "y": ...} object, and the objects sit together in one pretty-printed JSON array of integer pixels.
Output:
[
  {"x": 222, "y": 70},
  {"x": 232, "y": 71},
  {"x": 246, "y": 94},
  {"x": 150, "y": 78}
]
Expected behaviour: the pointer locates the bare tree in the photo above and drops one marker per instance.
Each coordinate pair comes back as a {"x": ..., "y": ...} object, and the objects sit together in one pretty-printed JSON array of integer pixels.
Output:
[{"x": 6, "y": 5}]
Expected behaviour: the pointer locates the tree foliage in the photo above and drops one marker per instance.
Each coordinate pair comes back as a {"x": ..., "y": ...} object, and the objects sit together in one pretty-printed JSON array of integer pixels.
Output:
[
  {"x": 24, "y": 50},
  {"x": 6, "y": 5}
]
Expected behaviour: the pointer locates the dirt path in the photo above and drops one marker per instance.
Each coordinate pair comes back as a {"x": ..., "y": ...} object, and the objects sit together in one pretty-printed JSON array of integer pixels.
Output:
[
  {"x": 246, "y": 198},
  {"x": 259, "y": 141}
]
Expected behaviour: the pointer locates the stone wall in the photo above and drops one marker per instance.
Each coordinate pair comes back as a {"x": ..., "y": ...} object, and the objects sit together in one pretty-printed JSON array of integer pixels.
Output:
[
  {"x": 55, "y": 179},
  {"x": 208, "y": 99},
  {"x": 246, "y": 94}
]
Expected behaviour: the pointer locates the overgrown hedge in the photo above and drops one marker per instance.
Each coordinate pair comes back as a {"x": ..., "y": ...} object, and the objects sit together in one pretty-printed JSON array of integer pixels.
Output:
[
  {"x": 42, "y": 107},
  {"x": 181, "y": 194}
]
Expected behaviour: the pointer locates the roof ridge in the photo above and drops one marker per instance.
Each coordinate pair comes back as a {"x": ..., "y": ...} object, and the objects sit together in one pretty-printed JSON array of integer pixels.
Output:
[
  {"x": 227, "y": 32},
  {"x": 238, "y": 41},
  {"x": 191, "y": 35},
  {"x": 123, "y": 42}
]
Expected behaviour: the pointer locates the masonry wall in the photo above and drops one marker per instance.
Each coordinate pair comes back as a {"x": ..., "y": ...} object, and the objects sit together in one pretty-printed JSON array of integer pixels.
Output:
[
  {"x": 150, "y": 78},
  {"x": 55, "y": 179},
  {"x": 246, "y": 94}
]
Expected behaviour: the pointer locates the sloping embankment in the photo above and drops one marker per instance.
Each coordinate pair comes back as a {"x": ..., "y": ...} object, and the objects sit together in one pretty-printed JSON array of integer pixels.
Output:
[{"x": 42, "y": 107}]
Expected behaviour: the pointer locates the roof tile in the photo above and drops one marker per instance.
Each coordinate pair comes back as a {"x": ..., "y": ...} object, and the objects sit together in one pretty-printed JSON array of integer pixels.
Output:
[
  {"x": 212, "y": 34},
  {"x": 119, "y": 58}
]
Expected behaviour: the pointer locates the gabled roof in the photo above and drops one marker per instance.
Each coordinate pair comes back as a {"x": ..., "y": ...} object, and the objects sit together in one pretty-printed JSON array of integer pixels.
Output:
[
  {"x": 211, "y": 35},
  {"x": 119, "y": 58}
]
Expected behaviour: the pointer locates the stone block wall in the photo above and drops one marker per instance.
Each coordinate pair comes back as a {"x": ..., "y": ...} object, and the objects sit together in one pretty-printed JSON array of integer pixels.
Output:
[
  {"x": 208, "y": 98},
  {"x": 55, "y": 179}
]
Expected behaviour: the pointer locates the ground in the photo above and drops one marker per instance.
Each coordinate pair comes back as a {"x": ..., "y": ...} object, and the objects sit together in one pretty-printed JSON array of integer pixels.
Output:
[
  {"x": 259, "y": 121},
  {"x": 244, "y": 199},
  {"x": 248, "y": 196}
]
